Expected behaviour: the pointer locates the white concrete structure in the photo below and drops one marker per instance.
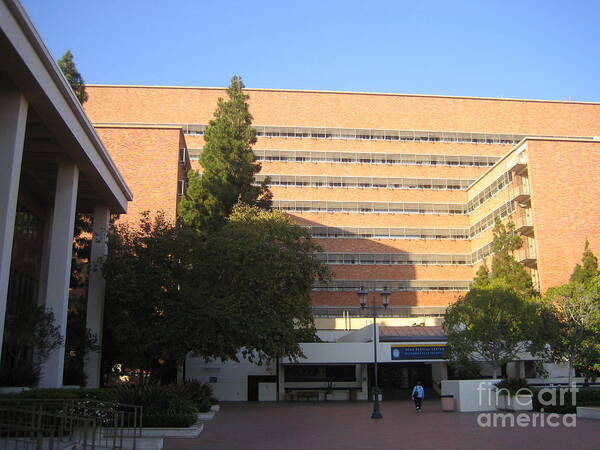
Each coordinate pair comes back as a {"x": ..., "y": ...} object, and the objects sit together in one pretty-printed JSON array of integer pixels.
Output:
[
  {"x": 233, "y": 381},
  {"x": 52, "y": 166}
]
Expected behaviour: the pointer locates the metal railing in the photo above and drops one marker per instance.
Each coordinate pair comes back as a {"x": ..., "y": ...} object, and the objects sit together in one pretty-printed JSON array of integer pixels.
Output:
[
  {"x": 348, "y": 157},
  {"x": 339, "y": 285},
  {"x": 78, "y": 423},
  {"x": 328, "y": 181},
  {"x": 392, "y": 311},
  {"x": 370, "y": 134},
  {"x": 405, "y": 258}
]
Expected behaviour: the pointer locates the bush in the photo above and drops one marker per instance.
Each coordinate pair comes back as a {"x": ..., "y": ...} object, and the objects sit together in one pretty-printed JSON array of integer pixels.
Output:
[
  {"x": 513, "y": 386},
  {"x": 583, "y": 397},
  {"x": 163, "y": 406}
]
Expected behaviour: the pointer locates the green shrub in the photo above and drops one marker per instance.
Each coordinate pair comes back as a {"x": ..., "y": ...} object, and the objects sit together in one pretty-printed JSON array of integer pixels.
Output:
[
  {"x": 583, "y": 397},
  {"x": 200, "y": 393},
  {"x": 513, "y": 386},
  {"x": 162, "y": 405},
  {"x": 204, "y": 404}
]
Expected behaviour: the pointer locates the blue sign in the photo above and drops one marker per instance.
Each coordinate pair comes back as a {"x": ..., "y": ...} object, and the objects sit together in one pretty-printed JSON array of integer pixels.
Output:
[{"x": 417, "y": 351}]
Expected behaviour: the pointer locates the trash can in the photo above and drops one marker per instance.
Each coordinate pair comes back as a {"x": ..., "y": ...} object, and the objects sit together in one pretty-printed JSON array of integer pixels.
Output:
[{"x": 447, "y": 403}]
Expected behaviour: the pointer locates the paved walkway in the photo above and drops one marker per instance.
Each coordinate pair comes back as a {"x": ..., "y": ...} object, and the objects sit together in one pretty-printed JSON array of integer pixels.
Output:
[{"x": 348, "y": 425}]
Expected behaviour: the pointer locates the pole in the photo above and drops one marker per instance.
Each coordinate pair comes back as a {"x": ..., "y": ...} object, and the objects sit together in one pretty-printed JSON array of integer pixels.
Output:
[{"x": 376, "y": 412}]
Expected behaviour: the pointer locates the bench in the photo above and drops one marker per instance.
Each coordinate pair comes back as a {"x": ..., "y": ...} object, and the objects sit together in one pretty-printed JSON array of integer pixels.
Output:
[{"x": 307, "y": 395}]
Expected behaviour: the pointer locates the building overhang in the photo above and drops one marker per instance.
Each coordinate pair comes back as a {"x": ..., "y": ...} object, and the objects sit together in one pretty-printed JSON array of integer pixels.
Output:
[{"x": 57, "y": 127}]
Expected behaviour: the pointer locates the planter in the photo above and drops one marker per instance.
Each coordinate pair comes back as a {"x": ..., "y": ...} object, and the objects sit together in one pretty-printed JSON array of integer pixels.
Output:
[
  {"x": 206, "y": 415},
  {"x": 515, "y": 402}
]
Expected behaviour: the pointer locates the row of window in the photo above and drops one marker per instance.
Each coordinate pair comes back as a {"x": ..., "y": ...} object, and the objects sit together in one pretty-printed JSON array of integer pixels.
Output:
[
  {"x": 404, "y": 258},
  {"x": 369, "y": 207},
  {"x": 393, "y": 285},
  {"x": 371, "y": 134},
  {"x": 496, "y": 186},
  {"x": 363, "y": 182},
  {"x": 374, "y": 158},
  {"x": 413, "y": 233}
]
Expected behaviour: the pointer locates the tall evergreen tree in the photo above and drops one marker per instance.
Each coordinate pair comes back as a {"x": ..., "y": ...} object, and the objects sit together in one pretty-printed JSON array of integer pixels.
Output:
[
  {"x": 229, "y": 166},
  {"x": 67, "y": 65},
  {"x": 504, "y": 266},
  {"x": 588, "y": 269},
  {"x": 482, "y": 277}
]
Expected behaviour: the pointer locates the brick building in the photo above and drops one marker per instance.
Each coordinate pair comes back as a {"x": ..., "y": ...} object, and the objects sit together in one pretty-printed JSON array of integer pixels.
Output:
[{"x": 399, "y": 190}]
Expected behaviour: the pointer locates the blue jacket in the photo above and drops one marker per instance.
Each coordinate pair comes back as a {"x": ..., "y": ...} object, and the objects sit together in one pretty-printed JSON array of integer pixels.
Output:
[{"x": 418, "y": 392}]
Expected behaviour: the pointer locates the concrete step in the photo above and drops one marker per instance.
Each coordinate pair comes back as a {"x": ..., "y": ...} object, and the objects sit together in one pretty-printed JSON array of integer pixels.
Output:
[{"x": 588, "y": 412}]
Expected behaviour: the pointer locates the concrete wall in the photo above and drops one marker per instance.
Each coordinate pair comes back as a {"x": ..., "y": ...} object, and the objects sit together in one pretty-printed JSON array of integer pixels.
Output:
[{"x": 232, "y": 377}]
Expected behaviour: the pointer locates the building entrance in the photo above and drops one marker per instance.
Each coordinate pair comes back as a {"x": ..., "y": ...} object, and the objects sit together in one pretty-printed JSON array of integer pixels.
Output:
[{"x": 397, "y": 379}]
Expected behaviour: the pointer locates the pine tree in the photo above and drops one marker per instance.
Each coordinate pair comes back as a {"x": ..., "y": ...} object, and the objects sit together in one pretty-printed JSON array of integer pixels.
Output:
[
  {"x": 588, "y": 269},
  {"x": 482, "y": 276},
  {"x": 504, "y": 266},
  {"x": 67, "y": 65},
  {"x": 229, "y": 166}
]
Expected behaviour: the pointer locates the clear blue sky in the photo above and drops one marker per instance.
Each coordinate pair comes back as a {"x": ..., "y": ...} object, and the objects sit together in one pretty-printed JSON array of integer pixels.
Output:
[{"x": 525, "y": 49}]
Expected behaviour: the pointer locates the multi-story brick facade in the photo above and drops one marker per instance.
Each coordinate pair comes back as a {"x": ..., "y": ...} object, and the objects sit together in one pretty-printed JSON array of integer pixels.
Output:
[{"x": 400, "y": 190}]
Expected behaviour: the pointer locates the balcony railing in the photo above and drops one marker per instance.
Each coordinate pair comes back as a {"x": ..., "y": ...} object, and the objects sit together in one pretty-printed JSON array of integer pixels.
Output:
[
  {"x": 517, "y": 163},
  {"x": 393, "y": 311},
  {"x": 520, "y": 194},
  {"x": 526, "y": 256},
  {"x": 524, "y": 224}
]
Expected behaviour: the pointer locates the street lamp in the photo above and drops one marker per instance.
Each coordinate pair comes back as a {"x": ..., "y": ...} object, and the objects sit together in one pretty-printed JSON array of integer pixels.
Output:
[{"x": 385, "y": 297}]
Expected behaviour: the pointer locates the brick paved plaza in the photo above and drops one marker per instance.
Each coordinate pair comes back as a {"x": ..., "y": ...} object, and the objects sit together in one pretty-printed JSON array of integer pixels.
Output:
[{"x": 347, "y": 425}]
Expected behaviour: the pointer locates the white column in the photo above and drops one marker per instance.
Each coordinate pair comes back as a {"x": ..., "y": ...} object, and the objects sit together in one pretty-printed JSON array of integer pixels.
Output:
[
  {"x": 13, "y": 119},
  {"x": 364, "y": 383},
  {"x": 59, "y": 267},
  {"x": 95, "y": 295}
]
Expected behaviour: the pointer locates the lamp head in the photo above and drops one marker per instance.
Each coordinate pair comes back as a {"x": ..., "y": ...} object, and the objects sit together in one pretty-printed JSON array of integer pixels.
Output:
[
  {"x": 362, "y": 297},
  {"x": 385, "y": 296}
]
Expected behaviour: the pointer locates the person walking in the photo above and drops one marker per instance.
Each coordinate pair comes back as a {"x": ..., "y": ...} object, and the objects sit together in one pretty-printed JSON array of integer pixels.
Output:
[{"x": 418, "y": 394}]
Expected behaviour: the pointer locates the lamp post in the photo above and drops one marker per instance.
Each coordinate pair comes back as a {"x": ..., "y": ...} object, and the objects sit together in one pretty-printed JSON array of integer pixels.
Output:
[{"x": 385, "y": 297}]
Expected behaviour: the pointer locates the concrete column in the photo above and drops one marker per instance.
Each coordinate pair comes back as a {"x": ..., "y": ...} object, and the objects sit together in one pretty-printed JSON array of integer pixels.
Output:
[
  {"x": 281, "y": 381},
  {"x": 364, "y": 383},
  {"x": 521, "y": 369},
  {"x": 95, "y": 295},
  {"x": 59, "y": 267},
  {"x": 13, "y": 119}
]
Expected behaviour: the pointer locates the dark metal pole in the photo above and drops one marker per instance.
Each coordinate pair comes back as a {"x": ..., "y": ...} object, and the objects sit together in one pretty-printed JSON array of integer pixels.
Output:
[{"x": 376, "y": 412}]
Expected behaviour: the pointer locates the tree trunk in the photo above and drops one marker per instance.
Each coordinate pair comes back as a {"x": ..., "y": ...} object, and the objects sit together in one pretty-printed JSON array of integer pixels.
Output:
[
  {"x": 495, "y": 373},
  {"x": 570, "y": 370}
]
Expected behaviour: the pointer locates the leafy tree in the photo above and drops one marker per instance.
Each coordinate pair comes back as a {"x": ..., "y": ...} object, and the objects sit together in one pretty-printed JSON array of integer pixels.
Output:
[
  {"x": 30, "y": 334},
  {"x": 229, "y": 166},
  {"x": 577, "y": 309},
  {"x": 67, "y": 65},
  {"x": 494, "y": 324},
  {"x": 172, "y": 291},
  {"x": 588, "y": 269}
]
